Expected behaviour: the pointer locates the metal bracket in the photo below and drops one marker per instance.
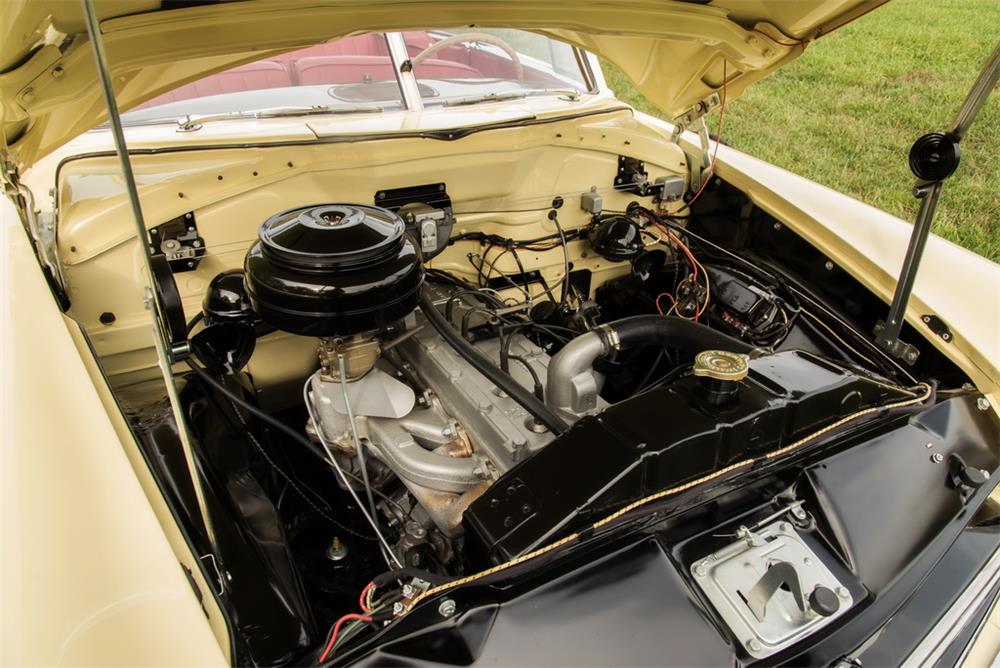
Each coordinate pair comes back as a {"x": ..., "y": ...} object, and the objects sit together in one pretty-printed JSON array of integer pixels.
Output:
[
  {"x": 10, "y": 176},
  {"x": 687, "y": 119},
  {"x": 178, "y": 240},
  {"x": 427, "y": 211},
  {"x": 938, "y": 326},
  {"x": 780, "y": 575},
  {"x": 632, "y": 177},
  {"x": 893, "y": 345}
]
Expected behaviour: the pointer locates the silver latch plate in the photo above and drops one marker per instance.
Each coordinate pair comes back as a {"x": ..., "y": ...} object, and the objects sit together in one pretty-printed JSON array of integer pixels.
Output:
[{"x": 727, "y": 575}]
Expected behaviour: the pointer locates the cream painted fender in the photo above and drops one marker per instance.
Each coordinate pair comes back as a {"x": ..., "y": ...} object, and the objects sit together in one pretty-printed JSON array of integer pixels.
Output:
[
  {"x": 960, "y": 287},
  {"x": 89, "y": 576}
]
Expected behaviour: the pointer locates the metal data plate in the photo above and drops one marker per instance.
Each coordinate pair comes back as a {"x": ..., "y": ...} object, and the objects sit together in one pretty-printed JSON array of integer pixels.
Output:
[{"x": 727, "y": 577}]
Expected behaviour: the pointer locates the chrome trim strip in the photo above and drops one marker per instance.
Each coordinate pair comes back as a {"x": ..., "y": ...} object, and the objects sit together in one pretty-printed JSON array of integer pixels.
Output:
[
  {"x": 937, "y": 641},
  {"x": 404, "y": 71}
]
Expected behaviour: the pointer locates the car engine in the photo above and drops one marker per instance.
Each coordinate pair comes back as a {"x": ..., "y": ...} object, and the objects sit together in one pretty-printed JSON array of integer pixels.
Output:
[
  {"x": 448, "y": 408},
  {"x": 442, "y": 425}
]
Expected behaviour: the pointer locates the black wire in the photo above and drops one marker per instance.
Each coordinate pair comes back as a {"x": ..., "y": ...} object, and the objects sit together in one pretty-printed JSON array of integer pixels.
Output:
[
  {"x": 564, "y": 291},
  {"x": 258, "y": 413},
  {"x": 652, "y": 370},
  {"x": 198, "y": 317},
  {"x": 671, "y": 375},
  {"x": 539, "y": 389},
  {"x": 556, "y": 424}
]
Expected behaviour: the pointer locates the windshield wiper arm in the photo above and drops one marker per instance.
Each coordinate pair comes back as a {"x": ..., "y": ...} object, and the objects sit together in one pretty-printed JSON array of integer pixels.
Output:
[
  {"x": 570, "y": 94},
  {"x": 191, "y": 123}
]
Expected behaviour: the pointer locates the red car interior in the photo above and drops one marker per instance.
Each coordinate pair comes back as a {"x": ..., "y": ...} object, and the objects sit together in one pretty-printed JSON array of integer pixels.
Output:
[{"x": 360, "y": 59}]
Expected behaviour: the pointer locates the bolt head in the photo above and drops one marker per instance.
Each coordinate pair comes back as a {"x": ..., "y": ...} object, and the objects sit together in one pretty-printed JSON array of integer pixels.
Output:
[
  {"x": 408, "y": 591},
  {"x": 829, "y": 265},
  {"x": 397, "y": 608},
  {"x": 937, "y": 458},
  {"x": 447, "y": 608},
  {"x": 983, "y": 404},
  {"x": 799, "y": 513}
]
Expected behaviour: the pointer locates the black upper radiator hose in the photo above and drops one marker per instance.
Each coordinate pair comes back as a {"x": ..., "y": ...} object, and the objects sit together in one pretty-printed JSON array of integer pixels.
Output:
[
  {"x": 492, "y": 372},
  {"x": 573, "y": 386}
]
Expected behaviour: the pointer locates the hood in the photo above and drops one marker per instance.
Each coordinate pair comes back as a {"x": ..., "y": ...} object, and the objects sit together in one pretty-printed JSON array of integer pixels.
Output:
[{"x": 673, "y": 50}]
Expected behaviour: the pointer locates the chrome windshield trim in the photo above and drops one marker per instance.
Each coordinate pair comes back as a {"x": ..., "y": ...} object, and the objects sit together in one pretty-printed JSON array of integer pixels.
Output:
[
  {"x": 953, "y": 621},
  {"x": 404, "y": 71}
]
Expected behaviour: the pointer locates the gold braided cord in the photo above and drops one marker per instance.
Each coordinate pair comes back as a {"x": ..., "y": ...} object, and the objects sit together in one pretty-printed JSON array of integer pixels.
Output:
[{"x": 924, "y": 394}]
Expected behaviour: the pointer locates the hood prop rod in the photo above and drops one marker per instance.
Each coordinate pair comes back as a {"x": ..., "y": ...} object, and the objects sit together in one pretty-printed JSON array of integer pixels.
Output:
[
  {"x": 167, "y": 351},
  {"x": 933, "y": 158}
]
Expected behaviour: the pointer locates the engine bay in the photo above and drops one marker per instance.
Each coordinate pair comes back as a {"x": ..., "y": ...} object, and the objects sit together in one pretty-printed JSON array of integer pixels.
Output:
[{"x": 408, "y": 407}]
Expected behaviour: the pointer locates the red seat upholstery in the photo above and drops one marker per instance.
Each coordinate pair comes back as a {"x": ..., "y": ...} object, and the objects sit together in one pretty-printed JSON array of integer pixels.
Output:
[
  {"x": 358, "y": 69},
  {"x": 252, "y": 76},
  {"x": 341, "y": 69}
]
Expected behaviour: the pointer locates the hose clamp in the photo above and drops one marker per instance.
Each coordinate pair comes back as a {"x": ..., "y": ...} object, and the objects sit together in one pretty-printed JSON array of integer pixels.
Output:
[{"x": 609, "y": 336}]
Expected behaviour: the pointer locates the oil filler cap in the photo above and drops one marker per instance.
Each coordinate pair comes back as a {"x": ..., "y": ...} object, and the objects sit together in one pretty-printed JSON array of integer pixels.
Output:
[{"x": 721, "y": 365}]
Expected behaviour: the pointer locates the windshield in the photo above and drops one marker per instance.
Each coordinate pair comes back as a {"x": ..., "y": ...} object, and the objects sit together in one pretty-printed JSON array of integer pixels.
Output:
[
  {"x": 357, "y": 74},
  {"x": 346, "y": 74},
  {"x": 472, "y": 63}
]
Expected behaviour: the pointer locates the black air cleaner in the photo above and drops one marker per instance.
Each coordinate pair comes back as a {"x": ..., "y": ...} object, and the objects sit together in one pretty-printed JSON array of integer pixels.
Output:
[{"x": 333, "y": 270}]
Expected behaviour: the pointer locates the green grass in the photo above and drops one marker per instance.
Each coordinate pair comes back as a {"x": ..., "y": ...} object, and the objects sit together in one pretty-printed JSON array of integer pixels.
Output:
[{"x": 846, "y": 112}]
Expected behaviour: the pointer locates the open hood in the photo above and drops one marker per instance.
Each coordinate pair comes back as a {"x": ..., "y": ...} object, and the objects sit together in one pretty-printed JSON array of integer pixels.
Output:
[{"x": 673, "y": 50}]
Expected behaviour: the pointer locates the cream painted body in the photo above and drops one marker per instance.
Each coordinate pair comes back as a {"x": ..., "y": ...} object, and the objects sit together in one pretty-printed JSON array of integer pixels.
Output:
[
  {"x": 97, "y": 575},
  {"x": 526, "y": 165},
  {"x": 92, "y": 562}
]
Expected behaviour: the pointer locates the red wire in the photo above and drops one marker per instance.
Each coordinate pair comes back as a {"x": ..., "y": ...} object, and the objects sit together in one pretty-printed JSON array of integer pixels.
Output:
[
  {"x": 662, "y": 295},
  {"x": 718, "y": 140},
  {"x": 336, "y": 632},
  {"x": 364, "y": 595}
]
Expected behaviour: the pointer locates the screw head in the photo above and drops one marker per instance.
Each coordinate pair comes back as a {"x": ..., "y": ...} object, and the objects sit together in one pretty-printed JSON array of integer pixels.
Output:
[
  {"x": 408, "y": 591},
  {"x": 937, "y": 458},
  {"x": 397, "y": 608},
  {"x": 753, "y": 645},
  {"x": 829, "y": 265},
  {"x": 447, "y": 608},
  {"x": 798, "y": 512},
  {"x": 700, "y": 570},
  {"x": 983, "y": 404},
  {"x": 842, "y": 592}
]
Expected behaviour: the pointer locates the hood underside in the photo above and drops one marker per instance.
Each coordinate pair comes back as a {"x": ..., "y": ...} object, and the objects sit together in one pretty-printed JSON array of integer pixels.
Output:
[{"x": 674, "y": 51}]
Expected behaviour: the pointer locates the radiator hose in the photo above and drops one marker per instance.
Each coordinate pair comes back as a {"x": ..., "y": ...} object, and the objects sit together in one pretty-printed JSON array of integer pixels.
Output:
[{"x": 573, "y": 386}]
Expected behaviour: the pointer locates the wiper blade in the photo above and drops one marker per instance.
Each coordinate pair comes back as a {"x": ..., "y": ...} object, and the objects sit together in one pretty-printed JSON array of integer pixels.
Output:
[
  {"x": 569, "y": 94},
  {"x": 191, "y": 123}
]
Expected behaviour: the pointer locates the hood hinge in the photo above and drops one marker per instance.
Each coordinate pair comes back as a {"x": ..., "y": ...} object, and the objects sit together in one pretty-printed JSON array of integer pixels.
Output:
[
  {"x": 686, "y": 120},
  {"x": 10, "y": 176},
  {"x": 694, "y": 119},
  {"x": 41, "y": 233}
]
